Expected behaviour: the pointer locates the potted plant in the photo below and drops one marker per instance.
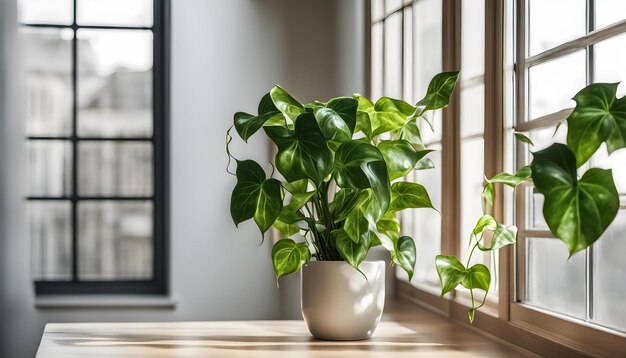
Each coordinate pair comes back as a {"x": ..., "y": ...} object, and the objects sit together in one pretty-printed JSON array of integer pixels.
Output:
[{"x": 341, "y": 165}]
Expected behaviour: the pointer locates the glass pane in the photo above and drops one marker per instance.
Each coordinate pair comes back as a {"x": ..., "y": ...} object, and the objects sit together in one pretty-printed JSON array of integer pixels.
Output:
[
  {"x": 472, "y": 110},
  {"x": 48, "y": 83},
  {"x": 114, "y": 83},
  {"x": 555, "y": 282},
  {"x": 427, "y": 47},
  {"x": 609, "y": 12},
  {"x": 554, "y": 83},
  {"x": 377, "y": 61},
  {"x": 393, "y": 56},
  {"x": 554, "y": 22},
  {"x": 115, "y": 240},
  {"x": 378, "y": 9},
  {"x": 534, "y": 218},
  {"x": 545, "y": 137},
  {"x": 472, "y": 171},
  {"x": 49, "y": 168},
  {"x": 472, "y": 38},
  {"x": 609, "y": 274},
  {"x": 114, "y": 12},
  {"x": 615, "y": 161},
  {"x": 115, "y": 168},
  {"x": 426, "y": 230},
  {"x": 50, "y": 232},
  {"x": 407, "y": 71},
  {"x": 609, "y": 61},
  {"x": 392, "y": 5},
  {"x": 46, "y": 11}
]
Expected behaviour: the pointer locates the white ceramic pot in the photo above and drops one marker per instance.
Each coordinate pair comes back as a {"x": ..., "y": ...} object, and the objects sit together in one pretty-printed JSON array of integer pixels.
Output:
[{"x": 338, "y": 303}]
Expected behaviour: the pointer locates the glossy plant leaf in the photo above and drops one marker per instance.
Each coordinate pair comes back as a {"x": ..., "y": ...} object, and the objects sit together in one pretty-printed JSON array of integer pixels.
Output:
[
  {"x": 406, "y": 195},
  {"x": 502, "y": 236},
  {"x": 400, "y": 156},
  {"x": 254, "y": 196},
  {"x": 353, "y": 252},
  {"x": 389, "y": 225},
  {"x": 522, "y": 138},
  {"x": 437, "y": 95},
  {"x": 298, "y": 186},
  {"x": 486, "y": 222},
  {"x": 360, "y": 165},
  {"x": 411, "y": 133},
  {"x": 346, "y": 108},
  {"x": 477, "y": 276},
  {"x": 332, "y": 125},
  {"x": 302, "y": 153},
  {"x": 288, "y": 256},
  {"x": 343, "y": 203},
  {"x": 248, "y": 124},
  {"x": 451, "y": 272},
  {"x": 386, "y": 115},
  {"x": 512, "y": 180},
  {"x": 356, "y": 224},
  {"x": 424, "y": 163},
  {"x": 286, "y": 104},
  {"x": 286, "y": 230},
  {"x": 406, "y": 254},
  {"x": 599, "y": 116},
  {"x": 576, "y": 211}
]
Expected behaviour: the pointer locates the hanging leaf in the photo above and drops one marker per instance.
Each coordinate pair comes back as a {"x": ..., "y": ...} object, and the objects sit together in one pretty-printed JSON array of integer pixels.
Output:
[
  {"x": 522, "y": 138},
  {"x": 512, "y": 180},
  {"x": 389, "y": 225},
  {"x": 303, "y": 153},
  {"x": 576, "y": 211},
  {"x": 353, "y": 252},
  {"x": 248, "y": 124},
  {"x": 437, "y": 95},
  {"x": 477, "y": 276},
  {"x": 400, "y": 156},
  {"x": 405, "y": 254},
  {"x": 254, "y": 196},
  {"x": 406, "y": 195},
  {"x": 287, "y": 230},
  {"x": 599, "y": 116},
  {"x": 451, "y": 272},
  {"x": 288, "y": 256},
  {"x": 360, "y": 165}
]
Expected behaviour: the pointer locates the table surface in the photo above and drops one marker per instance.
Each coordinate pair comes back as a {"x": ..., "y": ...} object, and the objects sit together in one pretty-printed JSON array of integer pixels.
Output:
[{"x": 406, "y": 331}]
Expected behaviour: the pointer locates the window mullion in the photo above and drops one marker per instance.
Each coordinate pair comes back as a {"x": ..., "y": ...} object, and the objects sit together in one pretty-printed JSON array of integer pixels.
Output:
[{"x": 74, "y": 194}]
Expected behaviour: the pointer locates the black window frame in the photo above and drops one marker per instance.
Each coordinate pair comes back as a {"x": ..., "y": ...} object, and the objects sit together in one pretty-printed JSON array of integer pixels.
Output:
[{"x": 160, "y": 107}]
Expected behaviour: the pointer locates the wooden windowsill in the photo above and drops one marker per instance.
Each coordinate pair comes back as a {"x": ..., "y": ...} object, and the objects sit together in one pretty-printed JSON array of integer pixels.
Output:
[
  {"x": 104, "y": 301},
  {"x": 406, "y": 330}
]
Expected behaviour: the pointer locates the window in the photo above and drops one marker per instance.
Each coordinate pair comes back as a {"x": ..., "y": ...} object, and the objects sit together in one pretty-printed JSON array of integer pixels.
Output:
[
  {"x": 95, "y": 119},
  {"x": 552, "y": 64},
  {"x": 519, "y": 72}
]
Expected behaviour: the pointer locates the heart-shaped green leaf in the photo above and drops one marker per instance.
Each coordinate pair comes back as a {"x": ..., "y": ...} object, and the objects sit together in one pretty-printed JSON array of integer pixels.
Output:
[
  {"x": 406, "y": 195},
  {"x": 247, "y": 124},
  {"x": 438, "y": 93},
  {"x": 576, "y": 211},
  {"x": 346, "y": 108},
  {"x": 502, "y": 236},
  {"x": 303, "y": 153},
  {"x": 254, "y": 196},
  {"x": 288, "y": 105},
  {"x": 288, "y": 256},
  {"x": 332, "y": 125},
  {"x": 287, "y": 230},
  {"x": 405, "y": 254},
  {"x": 386, "y": 115},
  {"x": 477, "y": 276},
  {"x": 400, "y": 156},
  {"x": 389, "y": 225},
  {"x": 356, "y": 224},
  {"x": 360, "y": 165},
  {"x": 512, "y": 180},
  {"x": 343, "y": 203},
  {"x": 353, "y": 252},
  {"x": 411, "y": 133},
  {"x": 486, "y": 222},
  {"x": 599, "y": 116},
  {"x": 451, "y": 272}
]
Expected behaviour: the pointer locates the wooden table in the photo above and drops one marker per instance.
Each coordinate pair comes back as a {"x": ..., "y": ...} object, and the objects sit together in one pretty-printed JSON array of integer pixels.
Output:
[{"x": 406, "y": 331}]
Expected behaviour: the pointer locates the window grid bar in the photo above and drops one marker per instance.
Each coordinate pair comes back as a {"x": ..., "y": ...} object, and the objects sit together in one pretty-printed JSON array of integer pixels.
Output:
[
  {"x": 75, "y": 183},
  {"x": 90, "y": 198},
  {"x": 589, "y": 63},
  {"x": 580, "y": 43},
  {"x": 93, "y": 139},
  {"x": 544, "y": 121},
  {"x": 75, "y": 26}
]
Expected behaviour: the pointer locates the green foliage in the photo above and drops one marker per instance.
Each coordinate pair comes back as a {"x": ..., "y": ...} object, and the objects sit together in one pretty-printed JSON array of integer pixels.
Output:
[
  {"x": 337, "y": 186},
  {"x": 577, "y": 210}
]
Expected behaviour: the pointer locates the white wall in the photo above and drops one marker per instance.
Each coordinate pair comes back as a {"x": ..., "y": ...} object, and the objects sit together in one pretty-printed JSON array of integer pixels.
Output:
[{"x": 225, "y": 56}]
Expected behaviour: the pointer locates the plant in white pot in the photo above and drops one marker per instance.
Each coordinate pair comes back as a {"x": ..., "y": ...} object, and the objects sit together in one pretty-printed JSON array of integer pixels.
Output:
[{"x": 342, "y": 164}]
